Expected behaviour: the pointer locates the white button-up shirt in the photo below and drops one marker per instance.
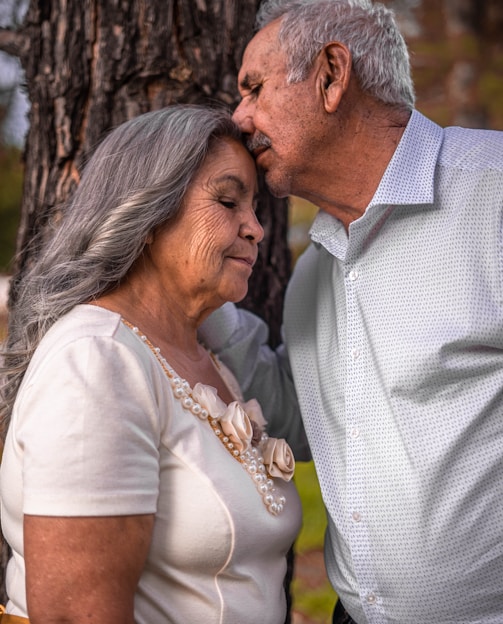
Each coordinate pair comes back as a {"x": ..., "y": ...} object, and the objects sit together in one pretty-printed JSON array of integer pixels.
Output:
[{"x": 394, "y": 335}]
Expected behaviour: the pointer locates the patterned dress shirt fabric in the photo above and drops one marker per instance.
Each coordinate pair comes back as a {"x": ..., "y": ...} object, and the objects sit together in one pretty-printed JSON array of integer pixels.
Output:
[{"x": 394, "y": 335}]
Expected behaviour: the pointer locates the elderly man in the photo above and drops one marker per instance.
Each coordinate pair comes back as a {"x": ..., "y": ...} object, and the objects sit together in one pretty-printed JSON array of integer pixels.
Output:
[{"x": 393, "y": 320}]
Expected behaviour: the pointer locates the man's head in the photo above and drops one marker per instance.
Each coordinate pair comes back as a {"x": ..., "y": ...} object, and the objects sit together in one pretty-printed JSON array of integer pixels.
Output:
[
  {"x": 307, "y": 68},
  {"x": 379, "y": 54}
]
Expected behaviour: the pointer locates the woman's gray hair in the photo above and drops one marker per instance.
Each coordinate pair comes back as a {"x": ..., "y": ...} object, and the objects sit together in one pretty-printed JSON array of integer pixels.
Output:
[
  {"x": 134, "y": 182},
  {"x": 380, "y": 56}
]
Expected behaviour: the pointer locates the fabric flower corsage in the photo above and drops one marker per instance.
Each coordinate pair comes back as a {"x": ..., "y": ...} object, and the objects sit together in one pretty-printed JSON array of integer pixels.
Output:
[
  {"x": 244, "y": 425},
  {"x": 278, "y": 458},
  {"x": 233, "y": 419}
]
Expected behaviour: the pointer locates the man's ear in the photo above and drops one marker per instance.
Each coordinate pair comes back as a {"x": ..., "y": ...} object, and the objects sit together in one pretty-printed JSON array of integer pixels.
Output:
[{"x": 335, "y": 72}]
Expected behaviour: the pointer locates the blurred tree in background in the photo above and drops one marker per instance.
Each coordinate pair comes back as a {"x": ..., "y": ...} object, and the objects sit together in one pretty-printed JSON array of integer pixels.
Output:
[{"x": 90, "y": 66}]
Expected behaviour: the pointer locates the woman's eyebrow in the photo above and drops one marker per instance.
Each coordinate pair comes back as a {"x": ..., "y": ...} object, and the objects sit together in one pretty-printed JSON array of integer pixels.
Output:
[{"x": 233, "y": 179}]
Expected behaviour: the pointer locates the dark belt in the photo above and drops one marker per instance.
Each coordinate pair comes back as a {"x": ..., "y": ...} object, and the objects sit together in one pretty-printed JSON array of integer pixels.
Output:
[{"x": 341, "y": 616}]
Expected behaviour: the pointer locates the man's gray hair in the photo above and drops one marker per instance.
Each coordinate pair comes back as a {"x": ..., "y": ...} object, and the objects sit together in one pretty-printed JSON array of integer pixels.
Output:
[
  {"x": 134, "y": 182},
  {"x": 380, "y": 56}
]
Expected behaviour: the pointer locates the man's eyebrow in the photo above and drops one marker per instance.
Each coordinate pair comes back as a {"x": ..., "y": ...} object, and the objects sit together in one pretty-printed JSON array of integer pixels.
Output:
[{"x": 247, "y": 81}]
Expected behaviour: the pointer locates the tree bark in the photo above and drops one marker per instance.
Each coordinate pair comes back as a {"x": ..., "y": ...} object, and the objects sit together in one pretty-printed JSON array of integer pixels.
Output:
[{"x": 92, "y": 64}]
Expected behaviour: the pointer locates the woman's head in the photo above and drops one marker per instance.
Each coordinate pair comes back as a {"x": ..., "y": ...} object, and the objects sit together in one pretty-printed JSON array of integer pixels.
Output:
[
  {"x": 205, "y": 257},
  {"x": 134, "y": 183}
]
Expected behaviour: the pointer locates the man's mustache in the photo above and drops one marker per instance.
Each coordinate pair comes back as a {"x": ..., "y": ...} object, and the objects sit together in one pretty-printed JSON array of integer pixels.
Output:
[{"x": 258, "y": 141}]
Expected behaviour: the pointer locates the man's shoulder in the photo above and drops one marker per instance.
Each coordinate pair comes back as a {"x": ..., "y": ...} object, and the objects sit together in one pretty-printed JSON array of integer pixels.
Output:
[{"x": 472, "y": 149}]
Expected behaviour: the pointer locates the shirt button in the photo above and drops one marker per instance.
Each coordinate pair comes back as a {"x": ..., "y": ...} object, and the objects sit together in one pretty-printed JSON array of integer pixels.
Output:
[
  {"x": 371, "y": 599},
  {"x": 353, "y": 275},
  {"x": 355, "y": 353},
  {"x": 355, "y": 433},
  {"x": 357, "y": 516}
]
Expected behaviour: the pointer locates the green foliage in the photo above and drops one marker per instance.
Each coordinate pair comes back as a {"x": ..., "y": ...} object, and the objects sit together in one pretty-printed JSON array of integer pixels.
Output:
[
  {"x": 314, "y": 518},
  {"x": 314, "y": 600},
  {"x": 317, "y": 604},
  {"x": 11, "y": 184}
]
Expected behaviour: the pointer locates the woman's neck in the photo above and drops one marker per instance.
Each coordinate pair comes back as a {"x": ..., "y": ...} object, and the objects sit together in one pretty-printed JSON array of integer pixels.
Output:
[{"x": 171, "y": 330}]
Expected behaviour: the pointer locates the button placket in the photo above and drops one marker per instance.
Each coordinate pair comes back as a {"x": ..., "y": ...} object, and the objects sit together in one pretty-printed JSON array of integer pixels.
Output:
[{"x": 359, "y": 538}]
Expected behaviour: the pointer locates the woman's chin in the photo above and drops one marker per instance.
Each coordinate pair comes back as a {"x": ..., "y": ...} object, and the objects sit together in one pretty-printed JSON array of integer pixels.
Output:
[{"x": 237, "y": 295}]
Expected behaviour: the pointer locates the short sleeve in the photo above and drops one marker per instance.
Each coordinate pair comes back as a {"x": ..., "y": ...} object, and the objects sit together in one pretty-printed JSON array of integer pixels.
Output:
[{"x": 88, "y": 427}]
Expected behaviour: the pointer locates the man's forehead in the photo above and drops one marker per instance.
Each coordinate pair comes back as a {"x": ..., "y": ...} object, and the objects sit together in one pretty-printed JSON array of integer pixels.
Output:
[
  {"x": 264, "y": 42},
  {"x": 260, "y": 54}
]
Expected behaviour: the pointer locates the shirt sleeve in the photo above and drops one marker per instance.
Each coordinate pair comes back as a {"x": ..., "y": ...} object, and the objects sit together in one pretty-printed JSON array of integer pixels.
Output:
[
  {"x": 239, "y": 338},
  {"x": 88, "y": 427}
]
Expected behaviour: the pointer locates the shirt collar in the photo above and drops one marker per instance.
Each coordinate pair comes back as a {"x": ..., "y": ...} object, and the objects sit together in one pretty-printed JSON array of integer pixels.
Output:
[{"x": 409, "y": 177}]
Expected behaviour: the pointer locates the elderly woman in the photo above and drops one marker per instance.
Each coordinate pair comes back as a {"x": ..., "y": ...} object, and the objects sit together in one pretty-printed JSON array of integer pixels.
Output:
[{"x": 136, "y": 484}]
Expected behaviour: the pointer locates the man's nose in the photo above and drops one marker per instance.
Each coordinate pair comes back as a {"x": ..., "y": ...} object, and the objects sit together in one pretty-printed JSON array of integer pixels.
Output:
[{"x": 243, "y": 118}]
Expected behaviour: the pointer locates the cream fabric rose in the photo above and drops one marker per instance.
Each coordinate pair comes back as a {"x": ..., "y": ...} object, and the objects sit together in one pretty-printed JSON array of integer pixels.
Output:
[
  {"x": 237, "y": 426},
  {"x": 207, "y": 396},
  {"x": 254, "y": 411},
  {"x": 278, "y": 458}
]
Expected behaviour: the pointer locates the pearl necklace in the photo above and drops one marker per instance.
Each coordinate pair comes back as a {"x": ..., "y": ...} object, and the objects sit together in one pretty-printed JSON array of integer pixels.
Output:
[{"x": 251, "y": 459}]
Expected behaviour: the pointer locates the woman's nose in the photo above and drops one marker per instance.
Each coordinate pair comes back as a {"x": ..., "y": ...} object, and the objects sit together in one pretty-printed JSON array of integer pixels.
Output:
[{"x": 251, "y": 229}]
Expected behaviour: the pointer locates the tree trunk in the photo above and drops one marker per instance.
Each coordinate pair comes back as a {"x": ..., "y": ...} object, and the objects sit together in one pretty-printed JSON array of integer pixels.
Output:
[{"x": 93, "y": 64}]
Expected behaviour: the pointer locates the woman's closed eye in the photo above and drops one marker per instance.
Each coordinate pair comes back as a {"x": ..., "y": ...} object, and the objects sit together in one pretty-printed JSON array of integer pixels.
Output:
[{"x": 228, "y": 203}]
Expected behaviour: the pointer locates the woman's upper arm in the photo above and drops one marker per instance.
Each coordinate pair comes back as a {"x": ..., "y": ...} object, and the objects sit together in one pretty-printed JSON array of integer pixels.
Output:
[{"x": 84, "y": 569}]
